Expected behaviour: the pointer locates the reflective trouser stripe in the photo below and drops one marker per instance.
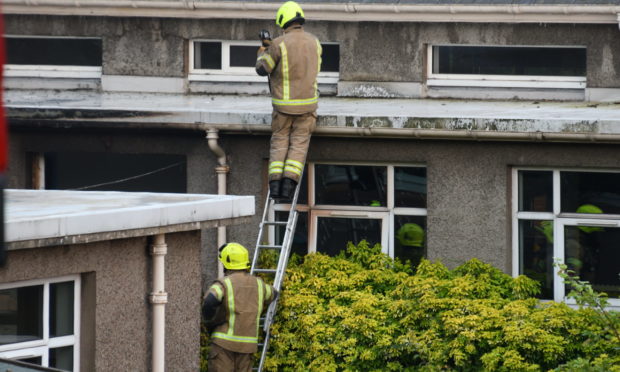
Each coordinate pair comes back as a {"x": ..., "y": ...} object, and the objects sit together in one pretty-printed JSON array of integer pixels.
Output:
[
  {"x": 276, "y": 167},
  {"x": 295, "y": 102},
  {"x": 293, "y": 166},
  {"x": 286, "y": 87}
]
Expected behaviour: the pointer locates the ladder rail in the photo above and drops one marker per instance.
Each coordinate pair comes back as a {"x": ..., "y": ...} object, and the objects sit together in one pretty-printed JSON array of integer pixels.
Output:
[{"x": 280, "y": 271}]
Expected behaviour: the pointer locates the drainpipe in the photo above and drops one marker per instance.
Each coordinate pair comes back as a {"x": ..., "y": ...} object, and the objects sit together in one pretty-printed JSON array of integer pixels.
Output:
[
  {"x": 158, "y": 299},
  {"x": 222, "y": 170}
]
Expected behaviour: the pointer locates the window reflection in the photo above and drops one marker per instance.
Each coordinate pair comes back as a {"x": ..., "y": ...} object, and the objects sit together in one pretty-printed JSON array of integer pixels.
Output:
[
  {"x": 593, "y": 253},
  {"x": 300, "y": 237},
  {"x": 410, "y": 238},
  {"x": 333, "y": 234},
  {"x": 21, "y": 314},
  {"x": 536, "y": 247},
  {"x": 410, "y": 187},
  {"x": 536, "y": 191},
  {"x": 597, "y": 189},
  {"x": 351, "y": 185}
]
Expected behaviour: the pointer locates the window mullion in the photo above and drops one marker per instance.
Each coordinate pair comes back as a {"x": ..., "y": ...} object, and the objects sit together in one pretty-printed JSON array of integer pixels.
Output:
[{"x": 558, "y": 239}]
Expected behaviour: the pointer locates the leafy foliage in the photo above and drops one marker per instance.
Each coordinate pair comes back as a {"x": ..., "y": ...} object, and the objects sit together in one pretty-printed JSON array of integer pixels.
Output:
[{"x": 363, "y": 311}]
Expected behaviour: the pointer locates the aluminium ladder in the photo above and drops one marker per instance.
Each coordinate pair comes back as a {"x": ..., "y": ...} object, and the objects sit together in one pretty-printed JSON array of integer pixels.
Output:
[{"x": 284, "y": 251}]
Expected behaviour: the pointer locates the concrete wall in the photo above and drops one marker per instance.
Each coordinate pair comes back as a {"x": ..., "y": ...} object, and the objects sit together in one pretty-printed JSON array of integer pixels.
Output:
[
  {"x": 116, "y": 314},
  {"x": 468, "y": 182},
  {"x": 157, "y": 47}
]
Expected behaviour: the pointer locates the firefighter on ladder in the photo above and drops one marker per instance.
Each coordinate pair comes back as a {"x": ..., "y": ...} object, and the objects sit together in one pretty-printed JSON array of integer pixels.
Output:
[
  {"x": 232, "y": 308},
  {"x": 292, "y": 62}
]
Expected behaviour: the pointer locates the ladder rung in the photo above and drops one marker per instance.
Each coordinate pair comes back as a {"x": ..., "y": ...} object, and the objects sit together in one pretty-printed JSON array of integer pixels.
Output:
[
  {"x": 270, "y": 246},
  {"x": 265, "y": 270},
  {"x": 275, "y": 223}
]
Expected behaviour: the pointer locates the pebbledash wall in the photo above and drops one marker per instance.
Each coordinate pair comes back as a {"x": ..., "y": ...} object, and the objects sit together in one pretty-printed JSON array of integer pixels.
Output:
[
  {"x": 376, "y": 58},
  {"x": 469, "y": 182},
  {"x": 115, "y": 314}
]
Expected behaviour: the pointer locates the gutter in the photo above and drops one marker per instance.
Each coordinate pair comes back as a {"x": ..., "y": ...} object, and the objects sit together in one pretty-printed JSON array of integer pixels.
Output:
[
  {"x": 342, "y": 12},
  {"x": 333, "y": 131}
]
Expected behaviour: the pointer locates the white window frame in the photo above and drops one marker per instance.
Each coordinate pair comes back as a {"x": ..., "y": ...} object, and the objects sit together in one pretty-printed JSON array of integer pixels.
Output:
[
  {"x": 41, "y": 347},
  {"x": 559, "y": 221},
  {"x": 52, "y": 71},
  {"x": 238, "y": 74},
  {"x": 501, "y": 81},
  {"x": 385, "y": 213}
]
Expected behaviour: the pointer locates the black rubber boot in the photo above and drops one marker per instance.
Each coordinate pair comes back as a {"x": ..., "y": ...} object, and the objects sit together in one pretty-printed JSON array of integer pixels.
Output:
[
  {"x": 287, "y": 189},
  {"x": 274, "y": 189}
]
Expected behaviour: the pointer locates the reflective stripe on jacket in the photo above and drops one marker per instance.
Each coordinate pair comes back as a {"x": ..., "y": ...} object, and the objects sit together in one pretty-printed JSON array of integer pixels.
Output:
[
  {"x": 293, "y": 62},
  {"x": 243, "y": 297}
]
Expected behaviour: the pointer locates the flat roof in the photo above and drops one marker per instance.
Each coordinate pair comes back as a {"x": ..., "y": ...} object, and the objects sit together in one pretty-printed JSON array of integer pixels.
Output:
[
  {"x": 50, "y": 217},
  {"x": 253, "y": 113}
]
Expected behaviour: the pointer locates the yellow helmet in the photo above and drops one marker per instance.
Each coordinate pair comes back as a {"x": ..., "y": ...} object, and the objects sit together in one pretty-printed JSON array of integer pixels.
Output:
[
  {"x": 234, "y": 256},
  {"x": 288, "y": 13}
]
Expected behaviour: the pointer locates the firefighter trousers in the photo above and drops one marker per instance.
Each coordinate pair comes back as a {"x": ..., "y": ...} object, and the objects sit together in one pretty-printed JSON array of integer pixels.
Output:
[
  {"x": 222, "y": 360},
  {"x": 290, "y": 138}
]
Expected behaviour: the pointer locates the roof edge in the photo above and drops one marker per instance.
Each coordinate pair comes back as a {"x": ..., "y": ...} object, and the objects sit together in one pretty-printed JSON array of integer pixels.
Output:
[{"x": 343, "y": 12}]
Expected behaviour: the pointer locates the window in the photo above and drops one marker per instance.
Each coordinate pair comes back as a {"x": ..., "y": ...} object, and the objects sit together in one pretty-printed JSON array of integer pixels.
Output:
[
  {"x": 507, "y": 66},
  {"x": 39, "y": 322},
  {"x": 573, "y": 215},
  {"x": 115, "y": 172},
  {"x": 234, "y": 61},
  {"x": 383, "y": 204},
  {"x": 53, "y": 57}
]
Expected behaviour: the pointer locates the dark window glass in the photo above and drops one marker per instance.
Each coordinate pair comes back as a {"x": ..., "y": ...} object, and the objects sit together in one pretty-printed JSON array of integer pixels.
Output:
[
  {"x": 21, "y": 314},
  {"x": 592, "y": 252},
  {"x": 351, "y": 185},
  {"x": 116, "y": 172},
  {"x": 590, "y": 192},
  {"x": 410, "y": 238},
  {"x": 536, "y": 254},
  {"x": 330, "y": 59},
  {"x": 410, "y": 187},
  {"x": 300, "y": 237},
  {"x": 34, "y": 360},
  {"x": 536, "y": 191},
  {"x": 50, "y": 51},
  {"x": 61, "y": 358},
  {"x": 537, "y": 61},
  {"x": 333, "y": 234},
  {"x": 61, "y": 309},
  {"x": 208, "y": 55},
  {"x": 243, "y": 55}
]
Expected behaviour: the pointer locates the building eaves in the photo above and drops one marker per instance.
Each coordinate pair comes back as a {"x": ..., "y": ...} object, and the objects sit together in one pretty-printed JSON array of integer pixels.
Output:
[
  {"x": 338, "y": 117},
  {"x": 498, "y": 11}
]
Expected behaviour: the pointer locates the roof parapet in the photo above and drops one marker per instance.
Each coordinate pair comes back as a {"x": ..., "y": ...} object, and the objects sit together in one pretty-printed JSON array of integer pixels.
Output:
[{"x": 342, "y": 12}]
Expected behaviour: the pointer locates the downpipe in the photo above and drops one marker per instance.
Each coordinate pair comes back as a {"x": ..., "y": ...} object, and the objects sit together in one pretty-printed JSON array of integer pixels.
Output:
[
  {"x": 158, "y": 299},
  {"x": 222, "y": 170}
]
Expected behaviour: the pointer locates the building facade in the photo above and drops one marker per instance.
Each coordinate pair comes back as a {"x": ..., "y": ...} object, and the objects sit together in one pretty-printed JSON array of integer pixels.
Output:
[{"x": 447, "y": 131}]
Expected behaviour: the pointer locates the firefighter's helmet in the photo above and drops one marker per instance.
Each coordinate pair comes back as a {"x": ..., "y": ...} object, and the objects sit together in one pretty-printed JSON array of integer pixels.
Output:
[
  {"x": 234, "y": 256},
  {"x": 288, "y": 13}
]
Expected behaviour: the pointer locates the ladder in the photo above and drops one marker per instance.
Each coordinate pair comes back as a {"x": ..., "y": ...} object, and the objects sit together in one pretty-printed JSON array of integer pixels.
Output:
[{"x": 284, "y": 250}]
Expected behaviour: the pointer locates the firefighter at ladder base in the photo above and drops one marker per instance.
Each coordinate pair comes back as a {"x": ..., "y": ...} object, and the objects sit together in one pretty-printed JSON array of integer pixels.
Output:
[
  {"x": 292, "y": 62},
  {"x": 232, "y": 308}
]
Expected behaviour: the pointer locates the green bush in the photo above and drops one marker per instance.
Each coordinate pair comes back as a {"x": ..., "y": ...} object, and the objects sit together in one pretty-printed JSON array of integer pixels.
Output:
[{"x": 362, "y": 311}]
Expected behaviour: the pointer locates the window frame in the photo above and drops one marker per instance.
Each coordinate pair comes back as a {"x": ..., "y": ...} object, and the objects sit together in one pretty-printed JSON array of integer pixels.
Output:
[
  {"x": 559, "y": 221},
  {"x": 238, "y": 74},
  {"x": 52, "y": 71},
  {"x": 385, "y": 213},
  {"x": 501, "y": 81},
  {"x": 42, "y": 347}
]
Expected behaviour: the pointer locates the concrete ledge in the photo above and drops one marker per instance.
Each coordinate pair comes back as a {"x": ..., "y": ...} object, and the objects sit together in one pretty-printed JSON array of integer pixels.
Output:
[
  {"x": 27, "y": 83},
  {"x": 50, "y": 215},
  {"x": 363, "y": 89},
  {"x": 146, "y": 84},
  {"x": 506, "y": 93},
  {"x": 603, "y": 94}
]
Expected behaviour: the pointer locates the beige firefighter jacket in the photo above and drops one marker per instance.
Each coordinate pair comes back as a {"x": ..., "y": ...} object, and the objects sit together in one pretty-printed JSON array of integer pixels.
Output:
[
  {"x": 243, "y": 299},
  {"x": 293, "y": 62}
]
